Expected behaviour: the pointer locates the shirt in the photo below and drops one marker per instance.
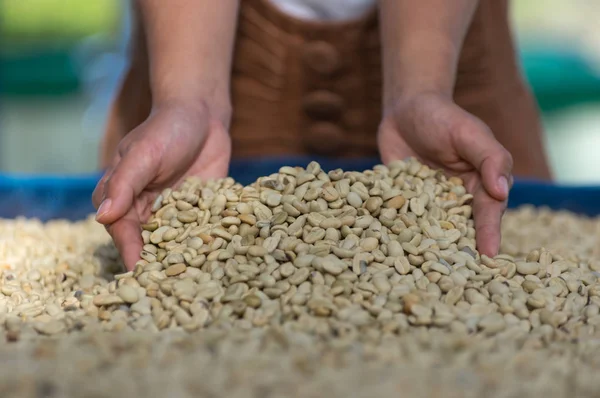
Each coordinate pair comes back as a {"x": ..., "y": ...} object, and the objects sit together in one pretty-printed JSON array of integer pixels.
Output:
[{"x": 319, "y": 10}]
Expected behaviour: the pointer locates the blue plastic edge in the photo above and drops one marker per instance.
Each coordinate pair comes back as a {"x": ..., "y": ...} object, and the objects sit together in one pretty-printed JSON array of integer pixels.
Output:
[{"x": 48, "y": 197}]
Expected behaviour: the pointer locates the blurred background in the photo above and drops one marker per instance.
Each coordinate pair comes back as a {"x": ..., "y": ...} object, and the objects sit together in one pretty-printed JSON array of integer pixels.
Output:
[{"x": 61, "y": 60}]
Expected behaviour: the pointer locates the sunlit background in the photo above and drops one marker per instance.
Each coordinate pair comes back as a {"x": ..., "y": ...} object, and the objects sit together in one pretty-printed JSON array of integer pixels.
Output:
[{"x": 61, "y": 61}]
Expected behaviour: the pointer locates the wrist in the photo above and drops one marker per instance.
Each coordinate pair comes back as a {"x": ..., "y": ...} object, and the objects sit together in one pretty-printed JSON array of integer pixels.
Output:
[
  {"x": 216, "y": 109},
  {"x": 207, "y": 108},
  {"x": 412, "y": 97},
  {"x": 416, "y": 69}
]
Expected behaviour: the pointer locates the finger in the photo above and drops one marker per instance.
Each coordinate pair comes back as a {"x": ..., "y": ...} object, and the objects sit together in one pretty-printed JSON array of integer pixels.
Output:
[
  {"x": 126, "y": 235},
  {"x": 130, "y": 177},
  {"x": 488, "y": 213},
  {"x": 98, "y": 194},
  {"x": 99, "y": 190},
  {"x": 478, "y": 146}
]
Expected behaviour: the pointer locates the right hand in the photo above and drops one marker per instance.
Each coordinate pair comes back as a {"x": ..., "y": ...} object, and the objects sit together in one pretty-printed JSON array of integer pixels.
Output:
[{"x": 176, "y": 141}]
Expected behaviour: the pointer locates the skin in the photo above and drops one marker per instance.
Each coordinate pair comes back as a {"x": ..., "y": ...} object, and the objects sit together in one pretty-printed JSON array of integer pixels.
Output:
[
  {"x": 421, "y": 44},
  {"x": 190, "y": 45},
  {"x": 189, "y": 49}
]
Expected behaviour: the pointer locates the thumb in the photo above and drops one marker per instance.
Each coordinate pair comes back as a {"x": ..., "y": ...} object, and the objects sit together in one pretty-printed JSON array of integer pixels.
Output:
[
  {"x": 478, "y": 146},
  {"x": 136, "y": 169}
]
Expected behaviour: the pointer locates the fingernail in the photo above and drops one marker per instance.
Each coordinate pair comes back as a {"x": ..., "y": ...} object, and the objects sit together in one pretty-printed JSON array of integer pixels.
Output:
[
  {"x": 503, "y": 185},
  {"x": 103, "y": 209}
]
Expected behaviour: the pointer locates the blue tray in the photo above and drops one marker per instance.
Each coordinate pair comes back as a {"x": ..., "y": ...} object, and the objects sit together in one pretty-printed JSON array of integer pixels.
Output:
[{"x": 50, "y": 197}]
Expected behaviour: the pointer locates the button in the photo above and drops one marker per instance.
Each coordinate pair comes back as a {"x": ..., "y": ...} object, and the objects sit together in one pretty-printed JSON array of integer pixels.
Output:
[
  {"x": 322, "y": 57},
  {"x": 323, "y": 105},
  {"x": 324, "y": 138}
]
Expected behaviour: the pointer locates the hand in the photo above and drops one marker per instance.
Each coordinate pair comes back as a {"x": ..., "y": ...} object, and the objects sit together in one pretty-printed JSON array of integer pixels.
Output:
[
  {"x": 432, "y": 128},
  {"x": 176, "y": 141}
]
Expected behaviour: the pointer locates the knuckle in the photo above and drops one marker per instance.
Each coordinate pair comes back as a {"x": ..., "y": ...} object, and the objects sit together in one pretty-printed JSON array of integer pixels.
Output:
[
  {"x": 462, "y": 127},
  {"x": 469, "y": 124},
  {"x": 123, "y": 147},
  {"x": 503, "y": 159},
  {"x": 127, "y": 145}
]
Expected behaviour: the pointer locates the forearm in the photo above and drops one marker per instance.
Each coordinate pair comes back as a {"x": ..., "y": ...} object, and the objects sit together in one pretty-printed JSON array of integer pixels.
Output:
[
  {"x": 421, "y": 43},
  {"x": 190, "y": 46}
]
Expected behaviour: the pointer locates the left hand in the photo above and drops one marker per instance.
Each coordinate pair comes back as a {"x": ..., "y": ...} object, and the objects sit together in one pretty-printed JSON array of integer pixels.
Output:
[{"x": 433, "y": 129}]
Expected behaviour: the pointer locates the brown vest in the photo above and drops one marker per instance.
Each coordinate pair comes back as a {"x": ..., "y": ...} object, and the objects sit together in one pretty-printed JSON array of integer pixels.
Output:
[{"x": 301, "y": 87}]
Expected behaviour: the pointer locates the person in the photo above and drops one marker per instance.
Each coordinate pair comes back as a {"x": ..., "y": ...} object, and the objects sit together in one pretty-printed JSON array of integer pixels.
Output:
[{"x": 435, "y": 79}]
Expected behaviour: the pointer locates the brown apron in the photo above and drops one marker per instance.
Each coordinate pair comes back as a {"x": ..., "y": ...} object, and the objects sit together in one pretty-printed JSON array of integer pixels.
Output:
[{"x": 301, "y": 87}]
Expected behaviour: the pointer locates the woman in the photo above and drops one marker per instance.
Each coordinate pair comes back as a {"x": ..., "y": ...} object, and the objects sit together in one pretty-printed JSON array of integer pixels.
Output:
[{"x": 434, "y": 79}]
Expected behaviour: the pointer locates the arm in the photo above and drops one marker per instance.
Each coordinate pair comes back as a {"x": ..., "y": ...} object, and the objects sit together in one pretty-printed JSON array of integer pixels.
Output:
[
  {"x": 190, "y": 46},
  {"x": 133, "y": 101},
  {"x": 421, "y": 43}
]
